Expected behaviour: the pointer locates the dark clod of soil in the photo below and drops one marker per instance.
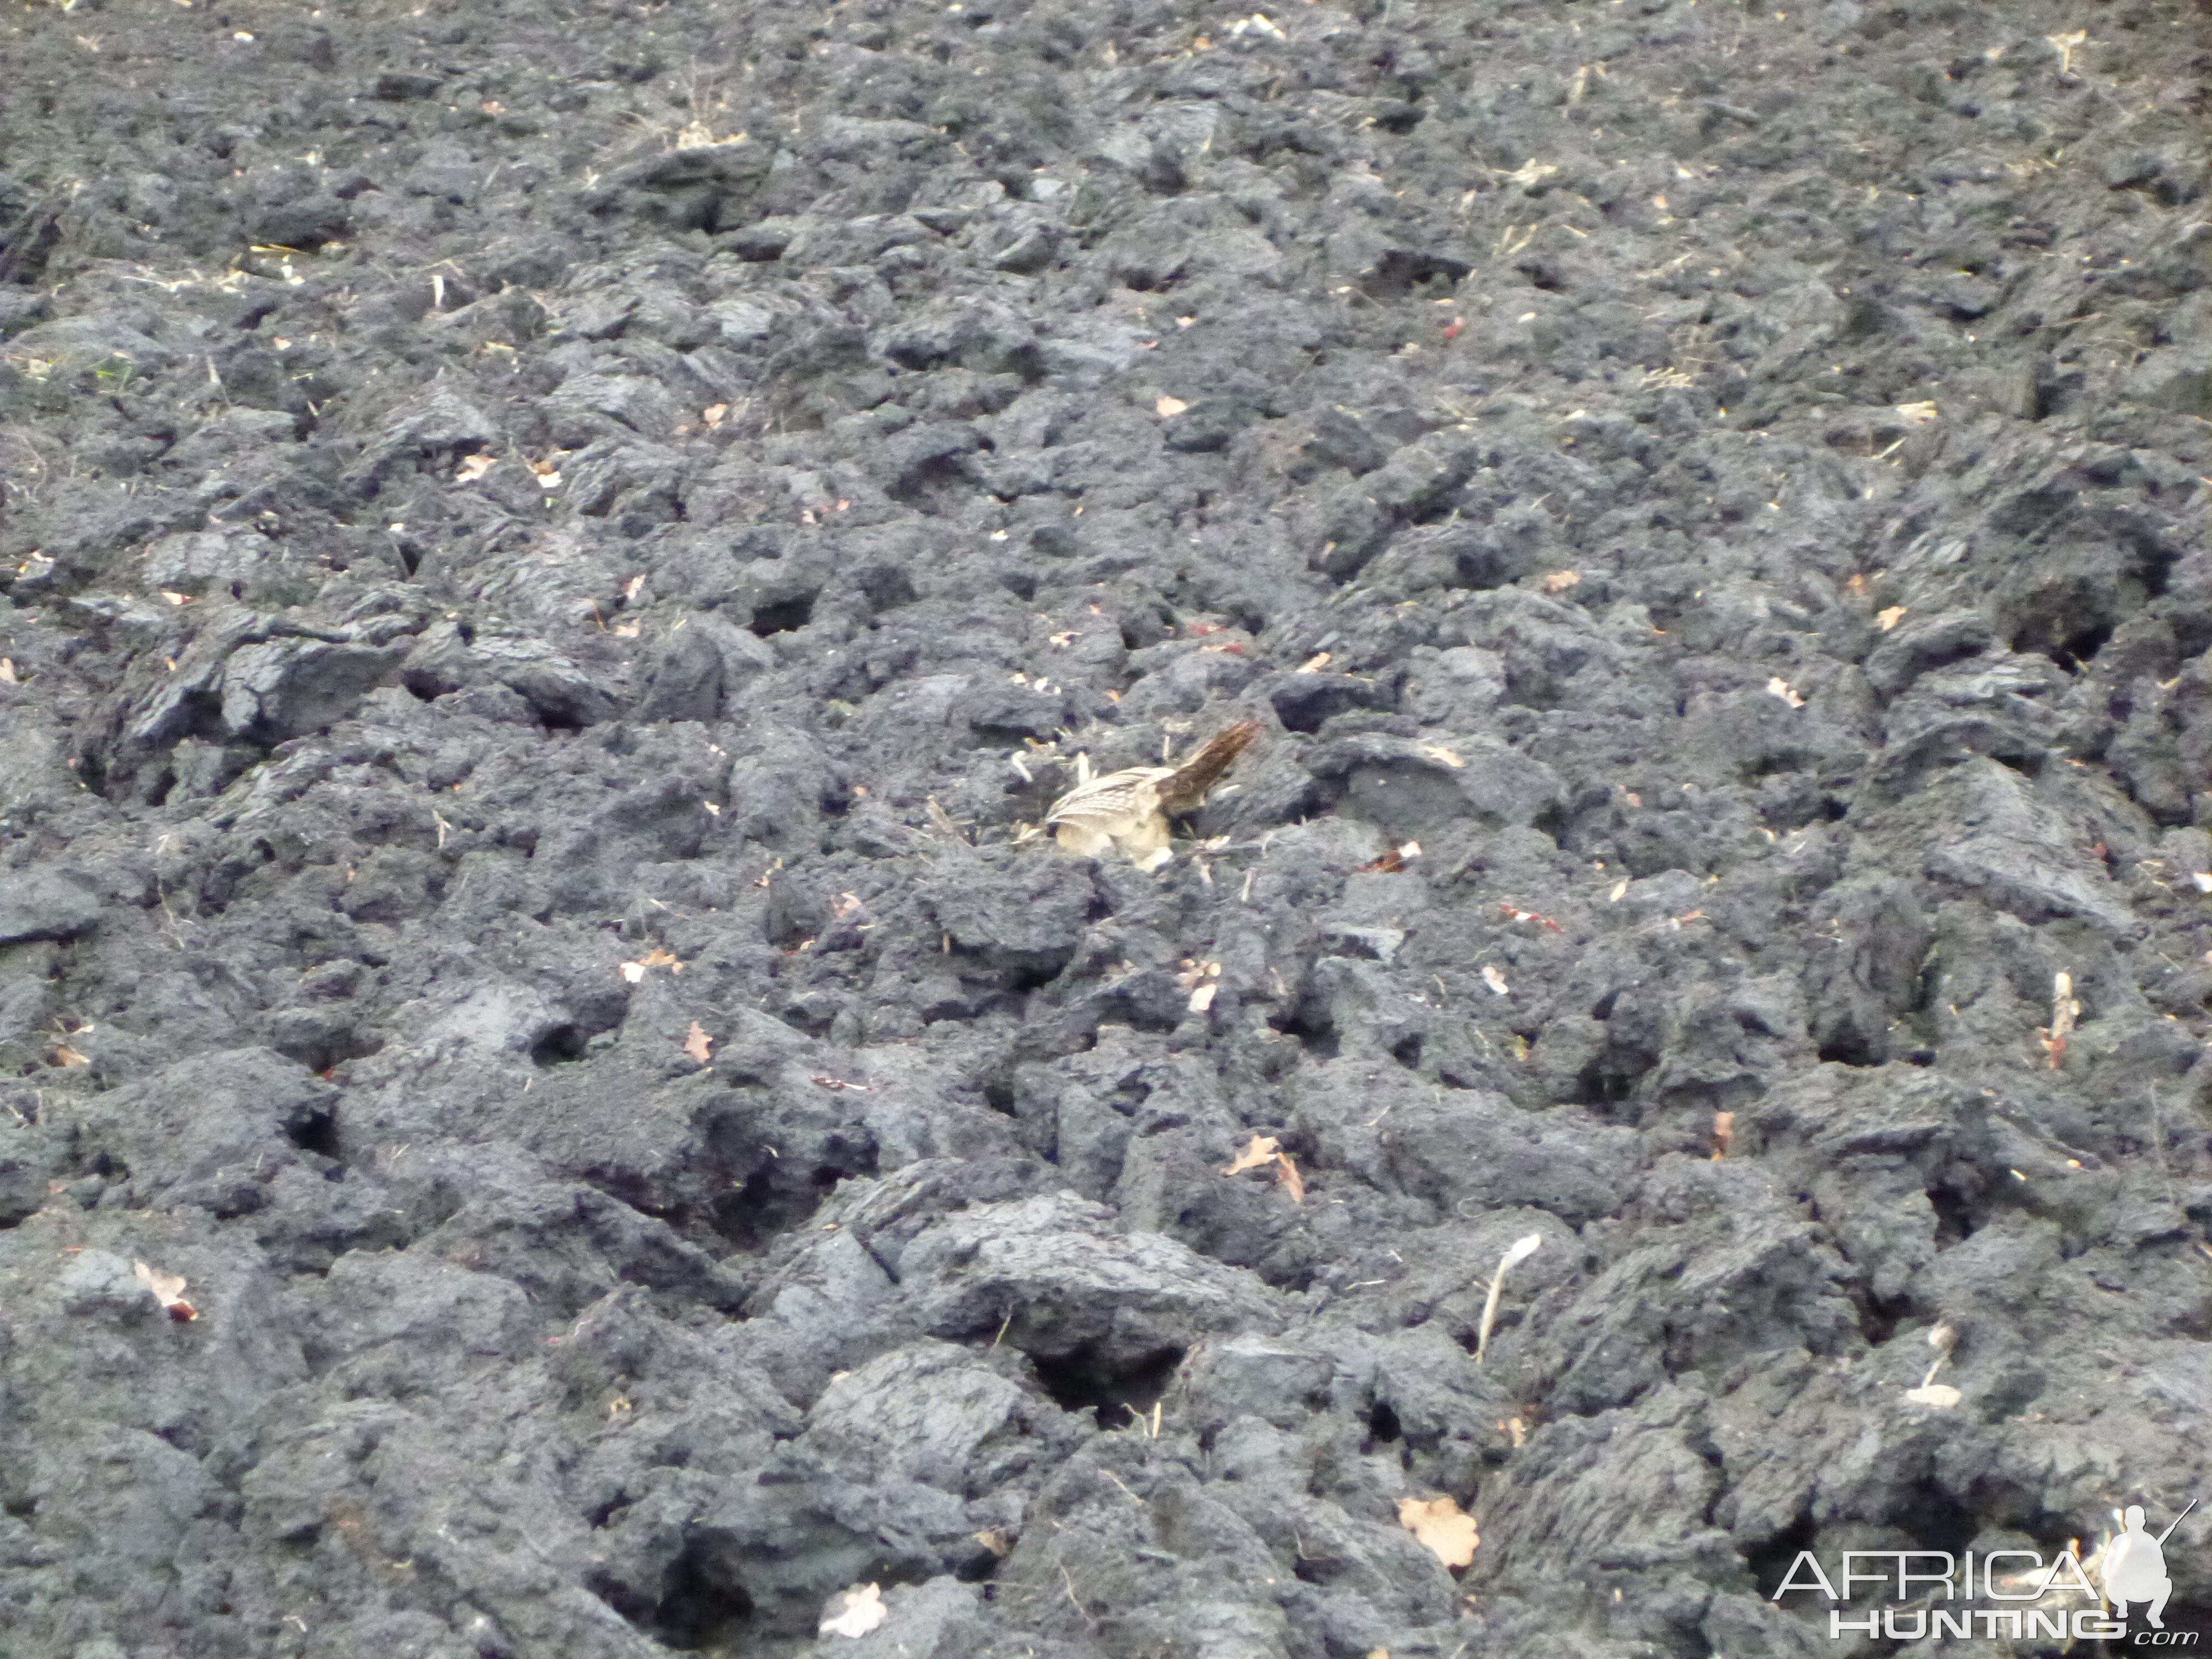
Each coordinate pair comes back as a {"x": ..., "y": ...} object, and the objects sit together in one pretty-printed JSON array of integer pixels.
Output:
[{"x": 555, "y": 1098}]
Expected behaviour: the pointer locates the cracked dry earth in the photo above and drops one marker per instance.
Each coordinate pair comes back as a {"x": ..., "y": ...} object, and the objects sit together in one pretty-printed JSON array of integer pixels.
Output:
[{"x": 555, "y": 555}]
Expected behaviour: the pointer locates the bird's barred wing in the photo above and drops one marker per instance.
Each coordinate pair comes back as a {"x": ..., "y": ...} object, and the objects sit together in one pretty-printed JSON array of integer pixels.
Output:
[{"x": 1131, "y": 794}]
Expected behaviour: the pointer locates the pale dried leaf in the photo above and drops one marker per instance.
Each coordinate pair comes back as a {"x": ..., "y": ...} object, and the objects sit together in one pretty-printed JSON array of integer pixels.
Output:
[
  {"x": 1315, "y": 663},
  {"x": 1496, "y": 980},
  {"x": 1202, "y": 997},
  {"x": 1450, "y": 1535},
  {"x": 66, "y": 1056},
  {"x": 167, "y": 1289},
  {"x": 627, "y": 631},
  {"x": 713, "y": 414},
  {"x": 1260, "y": 1150},
  {"x": 1918, "y": 414},
  {"x": 8, "y": 671},
  {"x": 1778, "y": 687},
  {"x": 1438, "y": 752},
  {"x": 659, "y": 956},
  {"x": 1167, "y": 406},
  {"x": 1287, "y": 1174},
  {"x": 1941, "y": 1395},
  {"x": 852, "y": 1612},
  {"x": 1559, "y": 580},
  {"x": 475, "y": 466},
  {"x": 1620, "y": 892},
  {"x": 175, "y": 597},
  {"x": 2064, "y": 1010},
  {"x": 1723, "y": 1134},
  {"x": 698, "y": 1044},
  {"x": 1890, "y": 617},
  {"x": 633, "y": 971},
  {"x": 2203, "y": 879}
]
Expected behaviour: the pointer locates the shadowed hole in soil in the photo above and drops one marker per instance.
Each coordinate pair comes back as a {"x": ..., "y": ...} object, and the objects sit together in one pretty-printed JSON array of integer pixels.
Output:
[
  {"x": 933, "y": 486},
  {"x": 321, "y": 1054},
  {"x": 1541, "y": 276},
  {"x": 780, "y": 1193},
  {"x": 756, "y": 1211},
  {"x": 1879, "y": 1319},
  {"x": 786, "y": 617},
  {"x": 1605, "y": 1082},
  {"x": 316, "y": 1132},
  {"x": 1081, "y": 1381},
  {"x": 1400, "y": 271},
  {"x": 703, "y": 1603},
  {"x": 1936, "y": 1521},
  {"x": 1032, "y": 973},
  {"x": 1306, "y": 703},
  {"x": 1852, "y": 1048},
  {"x": 2080, "y": 646},
  {"x": 561, "y": 1046},
  {"x": 1954, "y": 1214},
  {"x": 1312, "y": 1029},
  {"x": 1769, "y": 1563}
]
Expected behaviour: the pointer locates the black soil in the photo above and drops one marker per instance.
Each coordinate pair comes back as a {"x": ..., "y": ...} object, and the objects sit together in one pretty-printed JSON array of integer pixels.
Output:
[{"x": 494, "y": 493}]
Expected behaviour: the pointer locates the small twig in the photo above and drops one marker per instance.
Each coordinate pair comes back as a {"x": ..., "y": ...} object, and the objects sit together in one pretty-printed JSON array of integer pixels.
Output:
[
  {"x": 1118, "y": 1481},
  {"x": 1072, "y": 1600},
  {"x": 2065, "y": 1011},
  {"x": 1520, "y": 1250},
  {"x": 1943, "y": 1338}
]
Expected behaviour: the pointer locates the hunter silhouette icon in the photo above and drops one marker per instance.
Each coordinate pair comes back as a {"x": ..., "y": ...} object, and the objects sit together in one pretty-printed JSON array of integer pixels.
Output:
[{"x": 2135, "y": 1565}]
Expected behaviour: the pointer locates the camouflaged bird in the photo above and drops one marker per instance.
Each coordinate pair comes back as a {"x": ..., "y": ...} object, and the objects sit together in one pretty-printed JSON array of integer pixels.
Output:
[{"x": 1129, "y": 809}]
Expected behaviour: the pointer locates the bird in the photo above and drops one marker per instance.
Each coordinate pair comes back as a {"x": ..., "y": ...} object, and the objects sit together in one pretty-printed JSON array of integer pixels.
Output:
[{"x": 1129, "y": 809}]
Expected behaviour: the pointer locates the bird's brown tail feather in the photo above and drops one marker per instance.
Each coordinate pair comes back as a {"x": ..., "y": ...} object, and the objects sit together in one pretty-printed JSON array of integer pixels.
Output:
[{"x": 1185, "y": 789}]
